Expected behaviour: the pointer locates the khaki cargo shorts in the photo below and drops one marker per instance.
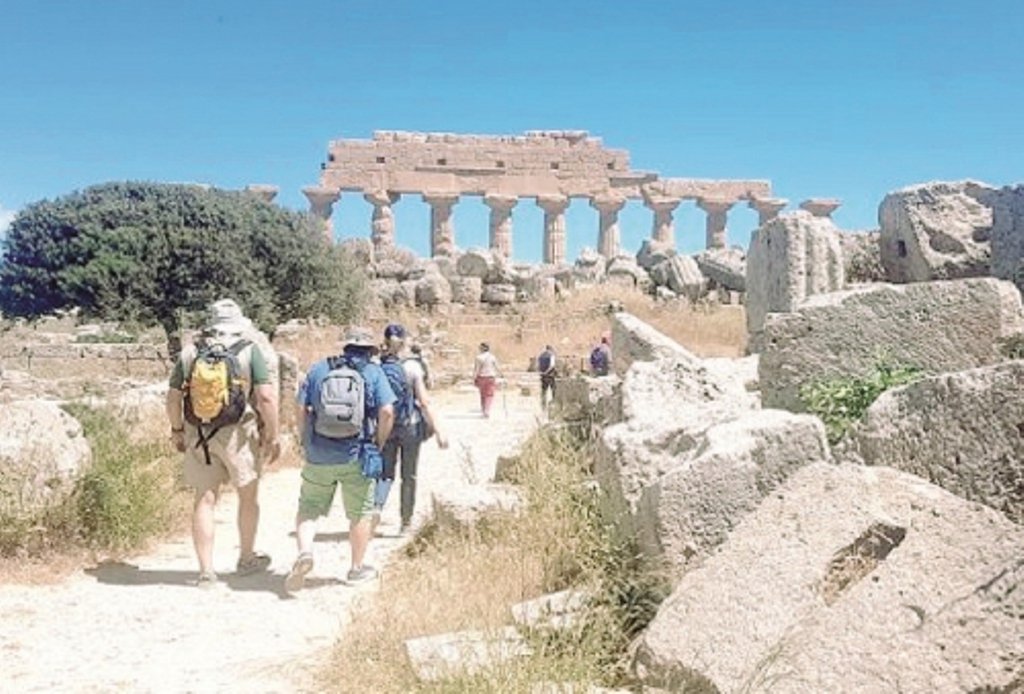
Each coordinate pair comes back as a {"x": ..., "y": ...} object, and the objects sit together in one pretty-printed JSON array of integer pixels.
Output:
[{"x": 234, "y": 456}]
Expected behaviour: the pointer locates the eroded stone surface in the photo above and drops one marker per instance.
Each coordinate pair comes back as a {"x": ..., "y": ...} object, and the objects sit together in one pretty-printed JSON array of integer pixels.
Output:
[
  {"x": 936, "y": 326},
  {"x": 849, "y": 578},
  {"x": 961, "y": 431},
  {"x": 939, "y": 230}
]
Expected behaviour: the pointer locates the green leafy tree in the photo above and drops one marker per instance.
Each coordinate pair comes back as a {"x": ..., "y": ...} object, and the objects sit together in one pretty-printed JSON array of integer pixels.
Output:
[{"x": 154, "y": 253}]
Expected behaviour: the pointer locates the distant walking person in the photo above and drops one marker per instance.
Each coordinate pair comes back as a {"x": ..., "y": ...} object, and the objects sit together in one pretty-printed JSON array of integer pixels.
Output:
[
  {"x": 601, "y": 358},
  {"x": 415, "y": 421},
  {"x": 417, "y": 356},
  {"x": 485, "y": 377},
  {"x": 546, "y": 366},
  {"x": 345, "y": 415},
  {"x": 217, "y": 388}
]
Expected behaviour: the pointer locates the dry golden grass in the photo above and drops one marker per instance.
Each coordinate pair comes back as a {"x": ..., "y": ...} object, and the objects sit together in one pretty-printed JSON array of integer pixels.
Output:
[
  {"x": 456, "y": 580},
  {"x": 518, "y": 333}
]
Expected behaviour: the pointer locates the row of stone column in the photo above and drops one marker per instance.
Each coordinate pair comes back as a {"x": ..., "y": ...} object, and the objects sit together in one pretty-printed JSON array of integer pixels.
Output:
[{"x": 608, "y": 206}]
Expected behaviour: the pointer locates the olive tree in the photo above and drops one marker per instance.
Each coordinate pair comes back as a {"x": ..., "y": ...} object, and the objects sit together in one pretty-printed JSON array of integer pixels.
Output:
[{"x": 152, "y": 253}]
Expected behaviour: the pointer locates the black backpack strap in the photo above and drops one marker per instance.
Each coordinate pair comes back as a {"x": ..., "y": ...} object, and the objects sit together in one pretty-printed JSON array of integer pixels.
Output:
[{"x": 204, "y": 441}]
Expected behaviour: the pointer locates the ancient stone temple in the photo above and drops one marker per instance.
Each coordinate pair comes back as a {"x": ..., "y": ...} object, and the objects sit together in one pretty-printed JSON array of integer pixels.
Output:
[{"x": 547, "y": 167}]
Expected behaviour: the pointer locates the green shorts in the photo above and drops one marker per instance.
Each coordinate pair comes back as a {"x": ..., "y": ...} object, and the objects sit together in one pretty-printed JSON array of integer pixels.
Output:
[{"x": 317, "y": 492}]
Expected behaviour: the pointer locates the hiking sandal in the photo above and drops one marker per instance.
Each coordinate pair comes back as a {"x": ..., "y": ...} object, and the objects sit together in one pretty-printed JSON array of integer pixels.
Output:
[
  {"x": 254, "y": 564},
  {"x": 296, "y": 578},
  {"x": 206, "y": 580}
]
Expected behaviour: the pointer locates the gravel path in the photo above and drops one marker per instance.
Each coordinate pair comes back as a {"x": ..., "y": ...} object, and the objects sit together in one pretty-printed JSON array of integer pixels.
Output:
[{"x": 140, "y": 625}]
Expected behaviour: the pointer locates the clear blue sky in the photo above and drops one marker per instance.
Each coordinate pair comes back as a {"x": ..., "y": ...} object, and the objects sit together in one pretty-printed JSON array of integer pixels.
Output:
[{"x": 843, "y": 98}]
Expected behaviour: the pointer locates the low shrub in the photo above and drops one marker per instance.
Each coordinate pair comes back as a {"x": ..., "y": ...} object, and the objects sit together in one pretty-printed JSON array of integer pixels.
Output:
[
  {"x": 126, "y": 497},
  {"x": 842, "y": 402}
]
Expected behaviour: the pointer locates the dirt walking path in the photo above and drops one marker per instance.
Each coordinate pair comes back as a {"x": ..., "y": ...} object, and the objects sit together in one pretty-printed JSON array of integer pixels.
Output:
[{"x": 141, "y": 626}]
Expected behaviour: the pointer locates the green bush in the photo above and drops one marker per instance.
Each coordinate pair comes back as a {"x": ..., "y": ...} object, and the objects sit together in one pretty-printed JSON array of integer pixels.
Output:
[
  {"x": 843, "y": 401},
  {"x": 126, "y": 497}
]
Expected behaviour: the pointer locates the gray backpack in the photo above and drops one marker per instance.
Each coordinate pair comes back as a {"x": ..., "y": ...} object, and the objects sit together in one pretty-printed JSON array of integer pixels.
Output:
[{"x": 341, "y": 409}]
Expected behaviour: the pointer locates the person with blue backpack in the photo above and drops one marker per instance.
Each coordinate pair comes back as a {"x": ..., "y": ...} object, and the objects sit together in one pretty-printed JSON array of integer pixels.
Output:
[
  {"x": 345, "y": 416},
  {"x": 415, "y": 422}
]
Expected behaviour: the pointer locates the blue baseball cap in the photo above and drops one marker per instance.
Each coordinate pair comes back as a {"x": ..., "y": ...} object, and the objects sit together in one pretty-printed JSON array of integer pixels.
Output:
[{"x": 394, "y": 330}]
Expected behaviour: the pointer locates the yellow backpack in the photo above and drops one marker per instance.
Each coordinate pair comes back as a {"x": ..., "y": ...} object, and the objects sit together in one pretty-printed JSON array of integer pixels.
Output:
[{"x": 216, "y": 390}]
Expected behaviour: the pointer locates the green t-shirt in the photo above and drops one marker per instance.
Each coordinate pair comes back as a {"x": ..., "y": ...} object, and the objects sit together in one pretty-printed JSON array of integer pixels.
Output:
[{"x": 257, "y": 367}]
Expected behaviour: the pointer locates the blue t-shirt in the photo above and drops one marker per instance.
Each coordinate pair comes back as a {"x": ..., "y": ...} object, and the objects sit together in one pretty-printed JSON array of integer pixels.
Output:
[{"x": 321, "y": 450}]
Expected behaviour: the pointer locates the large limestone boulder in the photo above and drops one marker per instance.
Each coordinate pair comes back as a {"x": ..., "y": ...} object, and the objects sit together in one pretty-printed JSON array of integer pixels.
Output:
[
  {"x": 625, "y": 271},
  {"x": 961, "y": 431},
  {"x": 680, "y": 274},
  {"x": 726, "y": 267},
  {"x": 691, "y": 509},
  {"x": 590, "y": 266},
  {"x": 667, "y": 406},
  {"x": 393, "y": 262},
  {"x": 933, "y": 231},
  {"x": 1008, "y": 234},
  {"x": 466, "y": 290},
  {"x": 502, "y": 272},
  {"x": 862, "y": 254},
  {"x": 653, "y": 252},
  {"x": 432, "y": 290},
  {"x": 498, "y": 294},
  {"x": 791, "y": 258},
  {"x": 43, "y": 452},
  {"x": 937, "y": 326},
  {"x": 475, "y": 262},
  {"x": 849, "y": 579}
]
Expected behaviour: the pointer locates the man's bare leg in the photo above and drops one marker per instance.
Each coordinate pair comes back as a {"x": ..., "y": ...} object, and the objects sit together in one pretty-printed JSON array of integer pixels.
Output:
[
  {"x": 203, "y": 507},
  {"x": 359, "y": 534},
  {"x": 248, "y": 518}
]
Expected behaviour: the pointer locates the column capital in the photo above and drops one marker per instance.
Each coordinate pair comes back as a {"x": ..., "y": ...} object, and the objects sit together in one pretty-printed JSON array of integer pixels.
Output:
[
  {"x": 767, "y": 206},
  {"x": 438, "y": 199},
  {"x": 498, "y": 201},
  {"x": 715, "y": 205},
  {"x": 661, "y": 203},
  {"x": 553, "y": 204},
  {"x": 607, "y": 202},
  {"x": 321, "y": 195},
  {"x": 264, "y": 190},
  {"x": 379, "y": 198},
  {"x": 821, "y": 207}
]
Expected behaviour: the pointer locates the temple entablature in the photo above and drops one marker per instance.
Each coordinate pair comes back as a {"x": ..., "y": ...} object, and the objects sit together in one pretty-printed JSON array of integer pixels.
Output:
[{"x": 550, "y": 168}]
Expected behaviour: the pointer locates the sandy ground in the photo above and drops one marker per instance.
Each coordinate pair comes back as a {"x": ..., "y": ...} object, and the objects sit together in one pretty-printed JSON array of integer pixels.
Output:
[{"x": 142, "y": 626}]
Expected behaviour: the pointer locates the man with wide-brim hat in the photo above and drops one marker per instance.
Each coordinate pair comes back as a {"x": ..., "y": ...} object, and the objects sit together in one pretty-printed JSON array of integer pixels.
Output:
[
  {"x": 337, "y": 457},
  {"x": 232, "y": 452}
]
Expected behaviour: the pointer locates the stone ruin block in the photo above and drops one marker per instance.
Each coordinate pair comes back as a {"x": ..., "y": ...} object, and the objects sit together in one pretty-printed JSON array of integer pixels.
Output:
[
  {"x": 498, "y": 294},
  {"x": 680, "y": 274},
  {"x": 653, "y": 252},
  {"x": 691, "y": 508},
  {"x": 849, "y": 579},
  {"x": 432, "y": 290},
  {"x": 936, "y": 231},
  {"x": 466, "y": 290},
  {"x": 634, "y": 340},
  {"x": 475, "y": 262},
  {"x": 962, "y": 431},
  {"x": 726, "y": 267},
  {"x": 667, "y": 405},
  {"x": 791, "y": 258},
  {"x": 464, "y": 507},
  {"x": 1008, "y": 234},
  {"x": 937, "y": 326},
  {"x": 435, "y": 658}
]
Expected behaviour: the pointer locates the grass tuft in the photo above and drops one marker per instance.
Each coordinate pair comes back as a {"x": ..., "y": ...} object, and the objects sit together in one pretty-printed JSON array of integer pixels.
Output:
[
  {"x": 467, "y": 579},
  {"x": 125, "y": 498}
]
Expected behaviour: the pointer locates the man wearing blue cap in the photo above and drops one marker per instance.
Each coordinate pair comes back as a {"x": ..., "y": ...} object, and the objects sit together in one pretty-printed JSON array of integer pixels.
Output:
[{"x": 415, "y": 421}]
